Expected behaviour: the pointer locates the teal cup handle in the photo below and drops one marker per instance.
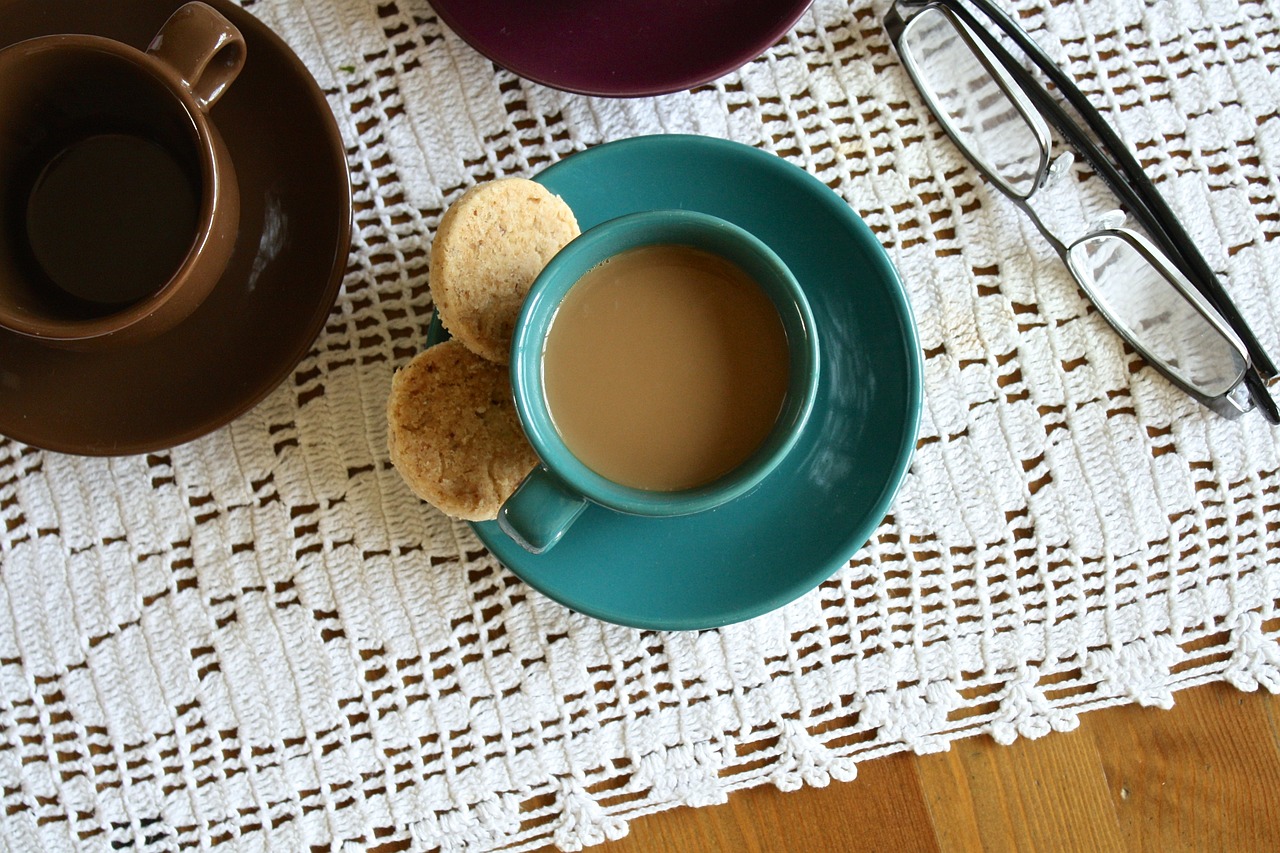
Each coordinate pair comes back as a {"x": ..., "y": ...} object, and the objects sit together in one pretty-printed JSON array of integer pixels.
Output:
[
  {"x": 540, "y": 511},
  {"x": 549, "y": 500}
]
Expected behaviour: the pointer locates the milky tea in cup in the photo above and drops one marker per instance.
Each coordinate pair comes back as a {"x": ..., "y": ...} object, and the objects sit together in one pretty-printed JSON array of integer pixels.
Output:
[
  {"x": 665, "y": 367},
  {"x": 663, "y": 364},
  {"x": 119, "y": 207}
]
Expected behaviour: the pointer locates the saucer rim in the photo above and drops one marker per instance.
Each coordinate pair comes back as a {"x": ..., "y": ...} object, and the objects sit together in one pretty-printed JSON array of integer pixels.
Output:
[
  {"x": 325, "y": 297},
  {"x": 497, "y": 542},
  {"x": 445, "y": 11}
]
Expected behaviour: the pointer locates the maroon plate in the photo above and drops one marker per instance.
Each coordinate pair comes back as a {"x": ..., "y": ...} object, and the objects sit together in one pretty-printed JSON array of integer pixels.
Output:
[
  {"x": 621, "y": 48},
  {"x": 263, "y": 316}
]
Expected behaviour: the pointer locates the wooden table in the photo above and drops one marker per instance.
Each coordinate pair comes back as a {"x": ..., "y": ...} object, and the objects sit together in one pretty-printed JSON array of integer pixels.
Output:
[{"x": 1203, "y": 776}]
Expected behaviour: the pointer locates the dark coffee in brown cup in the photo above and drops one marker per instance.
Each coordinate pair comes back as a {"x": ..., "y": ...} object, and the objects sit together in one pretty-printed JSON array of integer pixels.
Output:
[{"x": 119, "y": 207}]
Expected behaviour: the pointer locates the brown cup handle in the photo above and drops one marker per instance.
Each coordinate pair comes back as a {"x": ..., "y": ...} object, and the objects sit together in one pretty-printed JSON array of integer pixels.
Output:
[{"x": 203, "y": 48}]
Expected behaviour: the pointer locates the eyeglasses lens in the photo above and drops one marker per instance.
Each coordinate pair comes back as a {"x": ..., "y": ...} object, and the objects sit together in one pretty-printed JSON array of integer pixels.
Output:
[
  {"x": 983, "y": 120},
  {"x": 1141, "y": 298}
]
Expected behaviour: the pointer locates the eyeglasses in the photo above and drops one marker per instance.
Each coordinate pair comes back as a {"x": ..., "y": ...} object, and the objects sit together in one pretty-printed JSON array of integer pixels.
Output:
[{"x": 1157, "y": 291}]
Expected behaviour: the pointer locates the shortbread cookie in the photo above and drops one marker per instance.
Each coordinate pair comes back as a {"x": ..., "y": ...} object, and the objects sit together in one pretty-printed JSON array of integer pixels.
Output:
[
  {"x": 453, "y": 432},
  {"x": 490, "y": 246}
]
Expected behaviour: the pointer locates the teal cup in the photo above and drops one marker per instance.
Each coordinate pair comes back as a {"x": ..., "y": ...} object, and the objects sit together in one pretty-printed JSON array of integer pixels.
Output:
[{"x": 546, "y": 504}]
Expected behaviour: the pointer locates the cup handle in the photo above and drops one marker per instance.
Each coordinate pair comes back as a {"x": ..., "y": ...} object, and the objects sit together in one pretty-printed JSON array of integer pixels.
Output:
[
  {"x": 203, "y": 48},
  {"x": 540, "y": 511}
]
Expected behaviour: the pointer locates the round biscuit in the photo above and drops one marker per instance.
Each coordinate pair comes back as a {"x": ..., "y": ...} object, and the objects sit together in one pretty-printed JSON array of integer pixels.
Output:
[
  {"x": 453, "y": 433},
  {"x": 490, "y": 246}
]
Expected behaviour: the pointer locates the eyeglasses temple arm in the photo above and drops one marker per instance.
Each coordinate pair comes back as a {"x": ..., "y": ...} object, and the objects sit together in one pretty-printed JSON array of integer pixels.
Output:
[{"x": 1131, "y": 183}]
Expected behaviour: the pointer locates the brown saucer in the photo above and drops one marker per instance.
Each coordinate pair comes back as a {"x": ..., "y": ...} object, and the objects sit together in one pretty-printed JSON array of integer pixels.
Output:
[{"x": 295, "y": 232}]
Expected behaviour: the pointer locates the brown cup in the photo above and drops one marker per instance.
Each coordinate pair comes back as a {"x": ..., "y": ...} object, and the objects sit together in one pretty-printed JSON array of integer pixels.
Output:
[{"x": 119, "y": 207}]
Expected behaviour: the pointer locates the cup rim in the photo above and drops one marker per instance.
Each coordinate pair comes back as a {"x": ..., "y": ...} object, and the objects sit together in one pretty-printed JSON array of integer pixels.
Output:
[
  {"x": 538, "y": 311},
  {"x": 120, "y": 322}
]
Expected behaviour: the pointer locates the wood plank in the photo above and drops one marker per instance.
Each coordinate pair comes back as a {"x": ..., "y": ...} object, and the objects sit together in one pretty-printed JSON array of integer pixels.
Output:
[
  {"x": 882, "y": 808},
  {"x": 1206, "y": 774},
  {"x": 1203, "y": 776},
  {"x": 1047, "y": 794}
]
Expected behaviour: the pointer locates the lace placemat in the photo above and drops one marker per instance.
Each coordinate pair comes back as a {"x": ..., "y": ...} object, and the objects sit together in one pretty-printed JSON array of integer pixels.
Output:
[{"x": 261, "y": 638}]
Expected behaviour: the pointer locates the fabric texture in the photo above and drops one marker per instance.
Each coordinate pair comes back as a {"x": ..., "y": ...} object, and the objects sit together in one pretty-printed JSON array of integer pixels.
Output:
[{"x": 262, "y": 638}]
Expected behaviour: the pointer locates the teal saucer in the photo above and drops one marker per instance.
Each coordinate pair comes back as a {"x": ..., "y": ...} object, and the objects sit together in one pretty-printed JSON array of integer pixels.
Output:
[{"x": 808, "y": 517}]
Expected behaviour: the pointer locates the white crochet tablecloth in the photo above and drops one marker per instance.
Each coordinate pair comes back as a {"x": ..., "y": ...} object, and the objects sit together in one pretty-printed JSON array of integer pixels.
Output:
[{"x": 262, "y": 638}]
